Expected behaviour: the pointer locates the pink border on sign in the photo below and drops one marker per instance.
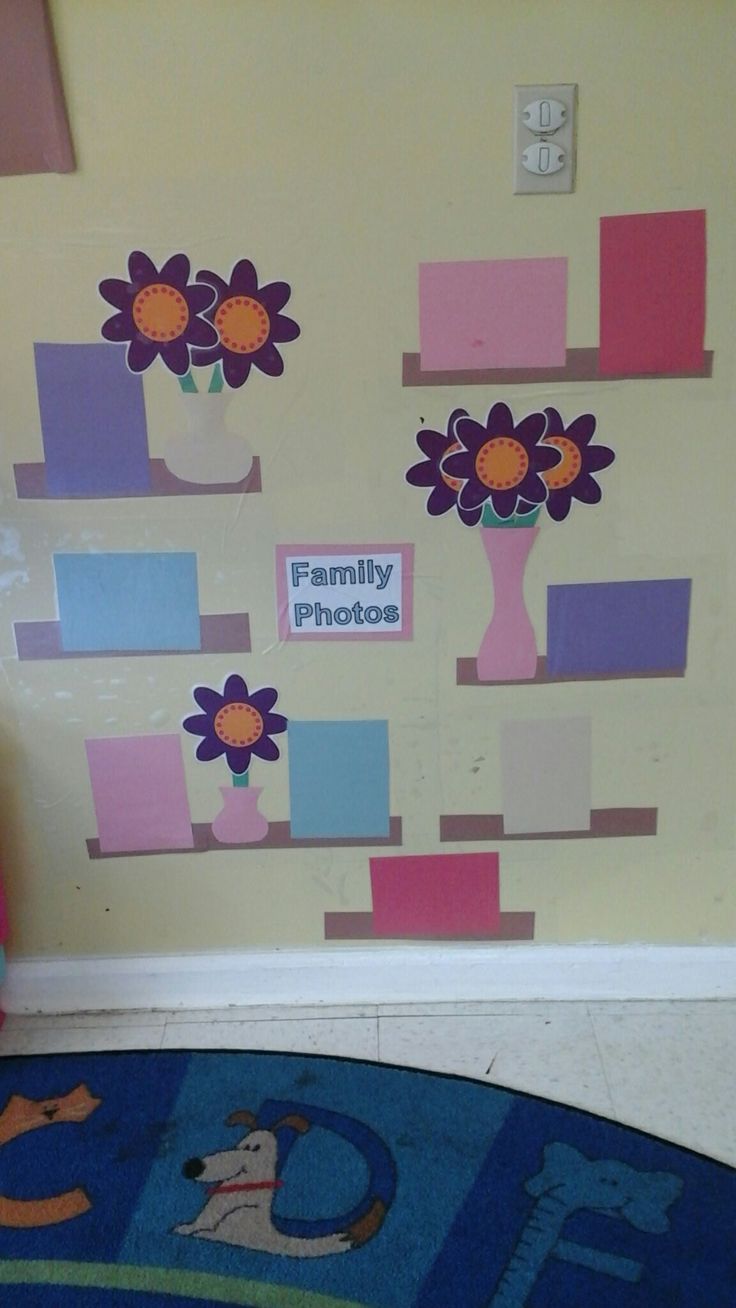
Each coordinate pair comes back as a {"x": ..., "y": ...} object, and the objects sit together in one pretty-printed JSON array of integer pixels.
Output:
[{"x": 407, "y": 591}]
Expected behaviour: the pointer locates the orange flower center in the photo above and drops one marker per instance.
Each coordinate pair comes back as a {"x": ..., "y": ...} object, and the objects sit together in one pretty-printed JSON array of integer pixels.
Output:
[
  {"x": 454, "y": 483},
  {"x": 160, "y": 312},
  {"x": 243, "y": 324},
  {"x": 501, "y": 463},
  {"x": 238, "y": 724},
  {"x": 566, "y": 471}
]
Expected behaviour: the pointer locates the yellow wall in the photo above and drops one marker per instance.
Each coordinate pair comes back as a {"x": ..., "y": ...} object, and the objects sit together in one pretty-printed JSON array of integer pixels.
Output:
[{"x": 338, "y": 143}]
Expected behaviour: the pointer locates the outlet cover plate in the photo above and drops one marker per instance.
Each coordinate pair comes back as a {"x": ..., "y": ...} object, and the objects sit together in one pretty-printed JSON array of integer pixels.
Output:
[{"x": 559, "y": 183}]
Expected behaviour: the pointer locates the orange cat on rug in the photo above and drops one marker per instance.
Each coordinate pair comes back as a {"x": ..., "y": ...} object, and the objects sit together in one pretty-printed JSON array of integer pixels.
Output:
[{"x": 21, "y": 1115}]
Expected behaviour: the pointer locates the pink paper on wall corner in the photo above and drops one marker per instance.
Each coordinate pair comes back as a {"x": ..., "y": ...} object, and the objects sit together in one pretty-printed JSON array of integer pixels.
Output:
[
  {"x": 139, "y": 791},
  {"x": 3, "y": 914},
  {"x": 493, "y": 313},
  {"x": 35, "y": 136},
  {"x": 435, "y": 895},
  {"x": 652, "y": 293}
]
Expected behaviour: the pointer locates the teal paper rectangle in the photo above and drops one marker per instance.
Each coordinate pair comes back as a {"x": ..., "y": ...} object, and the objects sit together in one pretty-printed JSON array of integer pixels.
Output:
[{"x": 339, "y": 779}]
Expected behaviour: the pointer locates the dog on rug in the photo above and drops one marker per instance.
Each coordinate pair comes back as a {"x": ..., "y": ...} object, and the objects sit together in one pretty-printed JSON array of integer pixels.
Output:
[{"x": 242, "y": 1182}]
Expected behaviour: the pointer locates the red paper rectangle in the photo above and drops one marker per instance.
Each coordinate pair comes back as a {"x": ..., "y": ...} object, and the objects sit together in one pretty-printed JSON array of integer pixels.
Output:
[
  {"x": 652, "y": 293},
  {"x": 435, "y": 895}
]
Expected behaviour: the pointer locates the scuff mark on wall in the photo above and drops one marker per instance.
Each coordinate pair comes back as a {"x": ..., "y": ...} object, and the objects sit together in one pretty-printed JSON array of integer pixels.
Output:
[{"x": 17, "y": 577}]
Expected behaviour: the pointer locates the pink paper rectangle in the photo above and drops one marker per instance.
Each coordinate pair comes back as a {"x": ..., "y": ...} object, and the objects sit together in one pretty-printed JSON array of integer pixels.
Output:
[
  {"x": 435, "y": 894},
  {"x": 652, "y": 292},
  {"x": 493, "y": 313},
  {"x": 139, "y": 792}
]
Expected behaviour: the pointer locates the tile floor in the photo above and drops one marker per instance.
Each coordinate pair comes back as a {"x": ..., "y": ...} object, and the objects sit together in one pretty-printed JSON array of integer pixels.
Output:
[{"x": 669, "y": 1068}]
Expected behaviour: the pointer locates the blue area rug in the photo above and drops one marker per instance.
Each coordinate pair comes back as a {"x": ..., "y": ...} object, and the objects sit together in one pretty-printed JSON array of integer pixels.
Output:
[{"x": 288, "y": 1181}]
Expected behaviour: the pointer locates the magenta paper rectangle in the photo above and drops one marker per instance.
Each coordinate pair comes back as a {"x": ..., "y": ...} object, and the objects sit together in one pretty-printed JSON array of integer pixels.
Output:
[
  {"x": 652, "y": 292},
  {"x": 493, "y": 313},
  {"x": 435, "y": 894},
  {"x": 139, "y": 791},
  {"x": 284, "y": 552}
]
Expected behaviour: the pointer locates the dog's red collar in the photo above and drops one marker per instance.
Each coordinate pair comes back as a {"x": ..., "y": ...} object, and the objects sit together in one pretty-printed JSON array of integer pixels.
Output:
[{"x": 247, "y": 1185}]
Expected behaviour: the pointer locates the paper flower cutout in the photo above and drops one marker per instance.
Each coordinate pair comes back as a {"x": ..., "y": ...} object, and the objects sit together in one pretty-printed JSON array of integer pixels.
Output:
[
  {"x": 501, "y": 462},
  {"x": 158, "y": 313},
  {"x": 445, "y": 489},
  {"x": 248, "y": 323},
  {"x": 571, "y": 478},
  {"x": 237, "y": 723}
]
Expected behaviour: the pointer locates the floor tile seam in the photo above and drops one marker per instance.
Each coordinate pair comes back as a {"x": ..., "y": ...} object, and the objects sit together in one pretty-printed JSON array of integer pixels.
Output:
[
  {"x": 376, "y": 1056},
  {"x": 566, "y": 1023},
  {"x": 281, "y": 1021},
  {"x": 84, "y": 1026},
  {"x": 602, "y": 1060},
  {"x": 361, "y": 1016}
]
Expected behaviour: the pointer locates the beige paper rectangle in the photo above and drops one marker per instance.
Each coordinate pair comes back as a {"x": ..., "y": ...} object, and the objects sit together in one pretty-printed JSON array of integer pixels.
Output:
[{"x": 545, "y": 767}]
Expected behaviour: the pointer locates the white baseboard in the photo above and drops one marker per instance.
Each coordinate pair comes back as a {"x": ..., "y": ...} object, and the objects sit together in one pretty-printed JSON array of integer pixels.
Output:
[{"x": 391, "y": 974}]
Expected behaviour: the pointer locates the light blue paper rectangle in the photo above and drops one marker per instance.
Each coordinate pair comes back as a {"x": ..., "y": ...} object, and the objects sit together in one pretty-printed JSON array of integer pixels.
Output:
[
  {"x": 119, "y": 602},
  {"x": 339, "y": 779}
]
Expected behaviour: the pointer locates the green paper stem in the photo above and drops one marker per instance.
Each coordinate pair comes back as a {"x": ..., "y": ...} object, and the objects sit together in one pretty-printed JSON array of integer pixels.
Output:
[
  {"x": 240, "y": 779},
  {"x": 188, "y": 384},
  {"x": 217, "y": 381},
  {"x": 490, "y": 519}
]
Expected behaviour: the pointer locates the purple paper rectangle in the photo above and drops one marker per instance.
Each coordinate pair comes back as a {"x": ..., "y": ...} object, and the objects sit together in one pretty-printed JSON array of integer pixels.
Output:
[
  {"x": 617, "y": 626},
  {"x": 93, "y": 420}
]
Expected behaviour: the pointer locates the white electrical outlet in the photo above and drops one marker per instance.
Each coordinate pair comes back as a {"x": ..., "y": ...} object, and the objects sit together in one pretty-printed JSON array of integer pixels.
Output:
[{"x": 544, "y": 139}]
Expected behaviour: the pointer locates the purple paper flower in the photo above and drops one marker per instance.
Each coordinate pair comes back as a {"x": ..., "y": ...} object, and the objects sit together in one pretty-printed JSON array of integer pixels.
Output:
[
  {"x": 237, "y": 723},
  {"x": 158, "y": 313},
  {"x": 501, "y": 462},
  {"x": 571, "y": 478},
  {"x": 248, "y": 324},
  {"x": 445, "y": 489}
]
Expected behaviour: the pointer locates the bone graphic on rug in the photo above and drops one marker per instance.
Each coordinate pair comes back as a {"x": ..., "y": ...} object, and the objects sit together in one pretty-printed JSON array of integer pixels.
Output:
[
  {"x": 21, "y": 1115},
  {"x": 243, "y": 1181},
  {"x": 570, "y": 1182}
]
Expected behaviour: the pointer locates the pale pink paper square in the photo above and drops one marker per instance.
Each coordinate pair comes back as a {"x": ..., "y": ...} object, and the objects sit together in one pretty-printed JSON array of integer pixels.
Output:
[
  {"x": 435, "y": 895},
  {"x": 493, "y": 313},
  {"x": 140, "y": 794}
]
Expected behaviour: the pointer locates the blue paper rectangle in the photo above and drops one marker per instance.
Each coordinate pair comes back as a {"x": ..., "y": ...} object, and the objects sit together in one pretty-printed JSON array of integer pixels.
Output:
[
  {"x": 618, "y": 627},
  {"x": 93, "y": 420},
  {"x": 119, "y": 602},
  {"x": 339, "y": 779}
]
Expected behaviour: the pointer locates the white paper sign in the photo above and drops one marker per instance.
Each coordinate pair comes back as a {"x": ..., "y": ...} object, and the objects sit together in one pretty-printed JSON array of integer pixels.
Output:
[{"x": 351, "y": 592}]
